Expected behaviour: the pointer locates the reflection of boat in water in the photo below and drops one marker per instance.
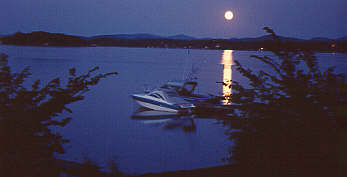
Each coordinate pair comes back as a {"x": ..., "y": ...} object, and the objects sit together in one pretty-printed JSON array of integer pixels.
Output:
[
  {"x": 184, "y": 122},
  {"x": 166, "y": 120},
  {"x": 147, "y": 114},
  {"x": 171, "y": 97}
]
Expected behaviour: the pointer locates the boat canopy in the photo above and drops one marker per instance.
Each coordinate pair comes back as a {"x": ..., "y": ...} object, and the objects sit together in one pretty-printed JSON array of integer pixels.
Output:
[{"x": 182, "y": 88}]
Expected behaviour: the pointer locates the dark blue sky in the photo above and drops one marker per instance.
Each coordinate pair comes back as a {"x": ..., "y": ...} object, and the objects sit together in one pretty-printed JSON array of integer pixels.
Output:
[{"x": 199, "y": 18}]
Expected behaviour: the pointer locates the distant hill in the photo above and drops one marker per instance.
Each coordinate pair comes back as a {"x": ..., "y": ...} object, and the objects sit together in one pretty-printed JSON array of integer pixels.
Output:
[
  {"x": 264, "y": 38},
  {"x": 129, "y": 36},
  {"x": 41, "y": 38},
  {"x": 182, "y": 37},
  {"x": 143, "y": 36},
  {"x": 137, "y": 36},
  {"x": 342, "y": 38},
  {"x": 3, "y": 35},
  {"x": 321, "y": 39},
  {"x": 261, "y": 38}
]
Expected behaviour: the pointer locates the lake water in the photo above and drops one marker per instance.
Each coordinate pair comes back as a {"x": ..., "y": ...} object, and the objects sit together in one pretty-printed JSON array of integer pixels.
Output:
[{"x": 103, "y": 128}]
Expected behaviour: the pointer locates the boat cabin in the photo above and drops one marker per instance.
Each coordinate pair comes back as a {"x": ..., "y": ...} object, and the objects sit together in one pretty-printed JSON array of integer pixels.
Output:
[{"x": 180, "y": 88}]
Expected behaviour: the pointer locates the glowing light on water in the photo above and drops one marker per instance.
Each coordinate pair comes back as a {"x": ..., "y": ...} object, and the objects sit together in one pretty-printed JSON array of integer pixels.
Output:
[{"x": 227, "y": 61}]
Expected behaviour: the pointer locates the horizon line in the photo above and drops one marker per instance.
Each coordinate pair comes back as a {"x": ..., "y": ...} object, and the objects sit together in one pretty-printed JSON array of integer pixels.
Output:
[{"x": 167, "y": 36}]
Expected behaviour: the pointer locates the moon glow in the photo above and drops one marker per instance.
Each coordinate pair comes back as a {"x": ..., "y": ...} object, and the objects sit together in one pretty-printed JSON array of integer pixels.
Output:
[{"x": 228, "y": 15}]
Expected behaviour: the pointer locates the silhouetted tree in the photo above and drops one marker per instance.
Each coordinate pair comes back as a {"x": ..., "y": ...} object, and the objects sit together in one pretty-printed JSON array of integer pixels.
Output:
[
  {"x": 27, "y": 115},
  {"x": 295, "y": 116},
  {"x": 113, "y": 167}
]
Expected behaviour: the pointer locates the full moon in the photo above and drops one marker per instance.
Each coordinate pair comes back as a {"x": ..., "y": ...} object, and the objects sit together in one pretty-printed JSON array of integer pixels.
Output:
[{"x": 229, "y": 15}]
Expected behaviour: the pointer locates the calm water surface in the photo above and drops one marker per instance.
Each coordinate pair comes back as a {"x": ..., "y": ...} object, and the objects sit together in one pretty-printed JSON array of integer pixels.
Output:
[{"x": 103, "y": 128}]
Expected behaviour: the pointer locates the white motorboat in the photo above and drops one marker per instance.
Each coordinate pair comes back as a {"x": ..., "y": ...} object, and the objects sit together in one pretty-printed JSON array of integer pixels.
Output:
[{"x": 158, "y": 100}]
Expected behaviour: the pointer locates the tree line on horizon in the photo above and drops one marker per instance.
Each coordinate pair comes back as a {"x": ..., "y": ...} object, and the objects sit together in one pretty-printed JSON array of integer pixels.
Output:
[{"x": 40, "y": 38}]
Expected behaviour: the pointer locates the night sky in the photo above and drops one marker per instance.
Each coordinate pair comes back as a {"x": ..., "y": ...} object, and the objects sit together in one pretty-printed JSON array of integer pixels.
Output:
[{"x": 198, "y": 18}]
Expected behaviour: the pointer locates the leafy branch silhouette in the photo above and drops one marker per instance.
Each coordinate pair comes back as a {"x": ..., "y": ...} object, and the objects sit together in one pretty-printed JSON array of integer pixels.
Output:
[
  {"x": 295, "y": 116},
  {"x": 27, "y": 116}
]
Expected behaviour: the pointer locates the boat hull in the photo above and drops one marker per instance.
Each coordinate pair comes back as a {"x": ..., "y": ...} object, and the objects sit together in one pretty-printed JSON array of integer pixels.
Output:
[{"x": 154, "y": 104}]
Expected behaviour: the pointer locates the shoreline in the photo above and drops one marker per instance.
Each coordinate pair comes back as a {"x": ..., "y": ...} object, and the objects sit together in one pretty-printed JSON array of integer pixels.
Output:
[
  {"x": 48, "y": 46},
  {"x": 263, "y": 43},
  {"x": 226, "y": 170}
]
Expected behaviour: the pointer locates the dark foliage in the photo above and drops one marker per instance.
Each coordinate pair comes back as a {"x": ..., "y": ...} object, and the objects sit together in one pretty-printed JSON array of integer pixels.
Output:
[
  {"x": 296, "y": 116},
  {"x": 28, "y": 115},
  {"x": 40, "y": 38}
]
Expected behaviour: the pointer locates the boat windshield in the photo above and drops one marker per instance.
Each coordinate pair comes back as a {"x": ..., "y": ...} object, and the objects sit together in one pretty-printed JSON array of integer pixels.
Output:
[{"x": 158, "y": 95}]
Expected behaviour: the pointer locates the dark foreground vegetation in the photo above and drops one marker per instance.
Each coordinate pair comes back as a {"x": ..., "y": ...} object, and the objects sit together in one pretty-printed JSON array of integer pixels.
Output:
[
  {"x": 295, "y": 121},
  {"x": 261, "y": 43},
  {"x": 28, "y": 117},
  {"x": 296, "y": 117}
]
